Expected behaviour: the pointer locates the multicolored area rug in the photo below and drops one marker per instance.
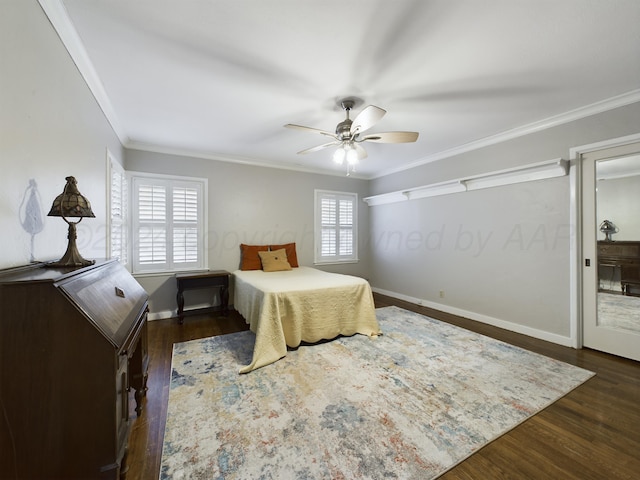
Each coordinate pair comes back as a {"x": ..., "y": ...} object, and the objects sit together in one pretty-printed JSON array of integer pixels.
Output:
[
  {"x": 619, "y": 311},
  {"x": 410, "y": 404}
]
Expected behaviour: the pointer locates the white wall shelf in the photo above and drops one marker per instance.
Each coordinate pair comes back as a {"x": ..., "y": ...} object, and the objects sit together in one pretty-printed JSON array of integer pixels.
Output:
[{"x": 526, "y": 173}]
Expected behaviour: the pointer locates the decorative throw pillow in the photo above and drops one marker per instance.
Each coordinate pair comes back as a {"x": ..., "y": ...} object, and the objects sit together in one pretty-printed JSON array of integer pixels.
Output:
[
  {"x": 249, "y": 259},
  {"x": 292, "y": 257},
  {"x": 274, "y": 261}
]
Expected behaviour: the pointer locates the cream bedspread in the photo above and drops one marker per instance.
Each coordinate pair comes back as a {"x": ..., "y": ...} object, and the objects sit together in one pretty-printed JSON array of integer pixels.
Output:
[{"x": 304, "y": 304}]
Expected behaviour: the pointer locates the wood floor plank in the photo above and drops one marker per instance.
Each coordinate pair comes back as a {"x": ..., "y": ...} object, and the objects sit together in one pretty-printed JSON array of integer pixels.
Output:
[{"x": 591, "y": 433}]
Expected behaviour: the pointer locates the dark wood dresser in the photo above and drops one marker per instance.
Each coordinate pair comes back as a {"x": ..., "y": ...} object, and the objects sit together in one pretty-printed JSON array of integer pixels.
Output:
[
  {"x": 625, "y": 257},
  {"x": 73, "y": 342}
]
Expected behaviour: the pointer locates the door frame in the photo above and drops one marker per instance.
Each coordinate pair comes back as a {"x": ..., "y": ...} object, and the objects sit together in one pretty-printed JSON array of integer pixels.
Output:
[{"x": 575, "y": 219}]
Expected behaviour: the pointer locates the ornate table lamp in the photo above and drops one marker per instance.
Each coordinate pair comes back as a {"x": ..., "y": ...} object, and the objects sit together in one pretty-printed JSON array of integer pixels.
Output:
[{"x": 71, "y": 203}]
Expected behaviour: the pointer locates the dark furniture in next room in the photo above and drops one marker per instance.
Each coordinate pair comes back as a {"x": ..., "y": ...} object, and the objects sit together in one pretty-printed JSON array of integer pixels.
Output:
[{"x": 623, "y": 257}]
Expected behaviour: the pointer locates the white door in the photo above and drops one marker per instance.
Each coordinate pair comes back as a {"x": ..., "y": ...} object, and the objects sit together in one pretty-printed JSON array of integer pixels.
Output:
[{"x": 611, "y": 192}]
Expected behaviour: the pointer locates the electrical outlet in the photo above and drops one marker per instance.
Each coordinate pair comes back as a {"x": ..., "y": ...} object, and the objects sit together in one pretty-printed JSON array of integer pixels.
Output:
[{"x": 441, "y": 293}]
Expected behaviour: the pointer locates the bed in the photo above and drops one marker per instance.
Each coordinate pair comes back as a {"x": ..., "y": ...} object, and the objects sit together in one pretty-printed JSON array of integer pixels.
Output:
[{"x": 304, "y": 304}]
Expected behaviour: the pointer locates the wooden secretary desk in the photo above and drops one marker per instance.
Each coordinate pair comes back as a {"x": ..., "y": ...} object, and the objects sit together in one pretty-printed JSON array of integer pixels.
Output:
[
  {"x": 624, "y": 256},
  {"x": 72, "y": 344}
]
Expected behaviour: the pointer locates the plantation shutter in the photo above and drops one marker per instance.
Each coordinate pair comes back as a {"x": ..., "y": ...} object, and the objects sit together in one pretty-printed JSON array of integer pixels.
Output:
[
  {"x": 185, "y": 225},
  {"x": 335, "y": 227},
  {"x": 118, "y": 213},
  {"x": 345, "y": 224},
  {"x": 329, "y": 233},
  {"x": 169, "y": 224},
  {"x": 152, "y": 231}
]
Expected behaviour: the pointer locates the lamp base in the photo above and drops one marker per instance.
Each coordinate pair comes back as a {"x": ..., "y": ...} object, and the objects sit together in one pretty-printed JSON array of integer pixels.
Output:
[
  {"x": 72, "y": 257},
  {"x": 65, "y": 262}
]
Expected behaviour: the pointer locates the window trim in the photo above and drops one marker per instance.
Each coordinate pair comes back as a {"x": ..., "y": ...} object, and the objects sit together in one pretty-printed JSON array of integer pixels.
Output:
[
  {"x": 171, "y": 181},
  {"x": 334, "y": 259}
]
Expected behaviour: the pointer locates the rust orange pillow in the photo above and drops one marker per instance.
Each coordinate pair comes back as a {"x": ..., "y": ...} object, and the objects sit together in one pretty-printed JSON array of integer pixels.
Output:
[
  {"x": 290, "y": 248},
  {"x": 249, "y": 258}
]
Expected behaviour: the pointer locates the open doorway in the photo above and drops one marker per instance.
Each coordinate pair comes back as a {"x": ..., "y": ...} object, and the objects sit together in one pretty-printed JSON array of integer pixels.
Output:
[{"x": 610, "y": 219}]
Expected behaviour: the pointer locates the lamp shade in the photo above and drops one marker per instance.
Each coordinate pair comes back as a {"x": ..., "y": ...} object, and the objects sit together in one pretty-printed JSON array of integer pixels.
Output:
[{"x": 71, "y": 203}]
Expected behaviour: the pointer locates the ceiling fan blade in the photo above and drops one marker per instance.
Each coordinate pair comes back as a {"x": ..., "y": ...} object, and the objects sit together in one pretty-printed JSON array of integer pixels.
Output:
[
  {"x": 310, "y": 129},
  {"x": 319, "y": 147},
  {"x": 366, "y": 119},
  {"x": 390, "y": 137}
]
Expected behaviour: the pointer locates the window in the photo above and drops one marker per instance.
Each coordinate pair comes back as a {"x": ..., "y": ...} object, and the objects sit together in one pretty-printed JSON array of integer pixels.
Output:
[
  {"x": 335, "y": 227},
  {"x": 117, "y": 244},
  {"x": 168, "y": 223}
]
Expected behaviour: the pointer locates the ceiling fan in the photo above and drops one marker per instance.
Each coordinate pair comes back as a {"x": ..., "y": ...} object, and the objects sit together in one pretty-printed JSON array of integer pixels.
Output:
[{"x": 349, "y": 135}]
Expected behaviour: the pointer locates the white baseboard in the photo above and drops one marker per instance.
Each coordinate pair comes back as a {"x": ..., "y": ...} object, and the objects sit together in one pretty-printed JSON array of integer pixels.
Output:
[
  {"x": 162, "y": 315},
  {"x": 496, "y": 322}
]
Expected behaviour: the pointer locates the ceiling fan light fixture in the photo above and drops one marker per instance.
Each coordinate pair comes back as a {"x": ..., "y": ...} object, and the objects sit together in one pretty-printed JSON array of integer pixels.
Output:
[
  {"x": 352, "y": 156},
  {"x": 339, "y": 155}
]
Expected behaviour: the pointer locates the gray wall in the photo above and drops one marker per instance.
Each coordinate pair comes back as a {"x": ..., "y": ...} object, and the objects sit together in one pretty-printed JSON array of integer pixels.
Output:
[
  {"x": 252, "y": 205},
  {"x": 619, "y": 201},
  {"x": 50, "y": 127},
  {"x": 500, "y": 255}
]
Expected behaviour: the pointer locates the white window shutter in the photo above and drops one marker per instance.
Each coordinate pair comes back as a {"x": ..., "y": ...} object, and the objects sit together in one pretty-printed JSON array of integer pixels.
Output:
[
  {"x": 118, "y": 245},
  {"x": 336, "y": 239},
  {"x": 152, "y": 218},
  {"x": 170, "y": 224}
]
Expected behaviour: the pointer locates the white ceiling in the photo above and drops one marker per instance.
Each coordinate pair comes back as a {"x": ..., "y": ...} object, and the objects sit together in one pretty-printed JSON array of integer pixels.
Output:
[{"x": 220, "y": 78}]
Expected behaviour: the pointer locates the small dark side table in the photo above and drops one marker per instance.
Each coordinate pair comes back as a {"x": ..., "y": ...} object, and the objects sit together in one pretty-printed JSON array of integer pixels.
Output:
[{"x": 210, "y": 279}]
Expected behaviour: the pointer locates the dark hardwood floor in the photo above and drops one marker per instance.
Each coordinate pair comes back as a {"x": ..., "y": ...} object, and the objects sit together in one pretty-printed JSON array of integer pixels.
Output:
[{"x": 591, "y": 433}]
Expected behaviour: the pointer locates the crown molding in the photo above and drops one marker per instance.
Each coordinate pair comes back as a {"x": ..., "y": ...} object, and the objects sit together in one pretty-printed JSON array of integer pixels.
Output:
[
  {"x": 59, "y": 19},
  {"x": 183, "y": 152},
  {"x": 567, "y": 117}
]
